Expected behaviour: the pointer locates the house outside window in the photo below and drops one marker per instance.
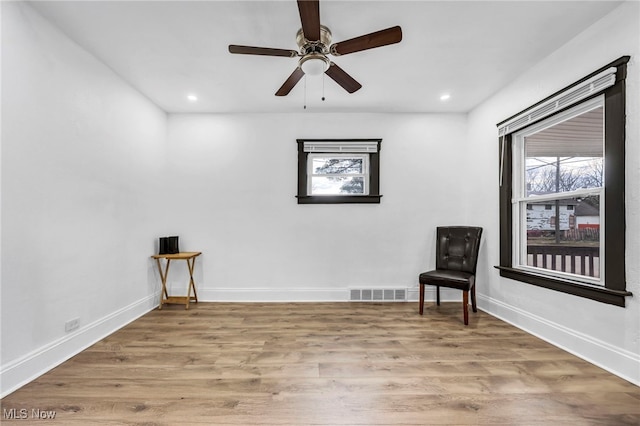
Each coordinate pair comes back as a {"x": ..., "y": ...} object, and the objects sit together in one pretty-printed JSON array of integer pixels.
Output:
[
  {"x": 337, "y": 171},
  {"x": 562, "y": 189}
]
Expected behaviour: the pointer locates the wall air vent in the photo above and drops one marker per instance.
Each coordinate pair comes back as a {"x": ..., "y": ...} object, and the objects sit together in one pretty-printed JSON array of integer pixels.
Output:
[{"x": 378, "y": 295}]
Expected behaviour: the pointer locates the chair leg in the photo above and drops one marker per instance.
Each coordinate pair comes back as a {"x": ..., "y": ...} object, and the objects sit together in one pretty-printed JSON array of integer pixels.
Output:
[
  {"x": 438, "y": 295},
  {"x": 465, "y": 306},
  {"x": 473, "y": 299},
  {"x": 421, "y": 298}
]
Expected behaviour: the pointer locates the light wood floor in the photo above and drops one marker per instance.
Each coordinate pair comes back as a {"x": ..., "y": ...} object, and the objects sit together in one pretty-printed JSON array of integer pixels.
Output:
[{"x": 326, "y": 364}]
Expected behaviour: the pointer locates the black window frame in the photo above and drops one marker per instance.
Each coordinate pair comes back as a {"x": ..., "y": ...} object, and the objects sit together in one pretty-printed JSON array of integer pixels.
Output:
[
  {"x": 614, "y": 291},
  {"x": 374, "y": 176}
]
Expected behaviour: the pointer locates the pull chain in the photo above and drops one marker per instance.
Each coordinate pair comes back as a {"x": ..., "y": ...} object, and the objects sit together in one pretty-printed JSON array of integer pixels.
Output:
[
  {"x": 305, "y": 91},
  {"x": 322, "y": 87}
]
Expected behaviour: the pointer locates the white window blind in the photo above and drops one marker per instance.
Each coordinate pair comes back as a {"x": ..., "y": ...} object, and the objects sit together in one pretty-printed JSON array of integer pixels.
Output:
[
  {"x": 571, "y": 96},
  {"x": 340, "y": 146}
]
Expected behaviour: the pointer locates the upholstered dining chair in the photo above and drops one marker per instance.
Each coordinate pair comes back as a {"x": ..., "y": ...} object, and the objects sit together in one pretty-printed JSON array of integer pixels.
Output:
[{"x": 456, "y": 260}]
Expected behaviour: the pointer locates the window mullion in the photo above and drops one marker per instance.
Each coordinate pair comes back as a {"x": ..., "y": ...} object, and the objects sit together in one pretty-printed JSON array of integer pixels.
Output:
[
  {"x": 339, "y": 175},
  {"x": 559, "y": 195}
]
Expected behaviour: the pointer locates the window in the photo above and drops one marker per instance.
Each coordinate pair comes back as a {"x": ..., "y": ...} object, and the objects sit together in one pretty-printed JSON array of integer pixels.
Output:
[
  {"x": 338, "y": 174},
  {"x": 332, "y": 171},
  {"x": 560, "y": 160},
  {"x": 562, "y": 190}
]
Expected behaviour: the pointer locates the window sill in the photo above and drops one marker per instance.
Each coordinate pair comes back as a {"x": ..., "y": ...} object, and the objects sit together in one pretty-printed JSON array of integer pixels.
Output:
[
  {"x": 338, "y": 199},
  {"x": 600, "y": 294}
]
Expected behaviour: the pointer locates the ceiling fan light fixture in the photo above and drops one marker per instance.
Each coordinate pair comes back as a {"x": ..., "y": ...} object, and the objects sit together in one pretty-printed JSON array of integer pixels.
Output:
[{"x": 314, "y": 64}]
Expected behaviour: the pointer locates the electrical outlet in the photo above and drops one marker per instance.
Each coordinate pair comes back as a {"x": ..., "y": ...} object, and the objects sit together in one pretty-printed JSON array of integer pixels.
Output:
[{"x": 72, "y": 324}]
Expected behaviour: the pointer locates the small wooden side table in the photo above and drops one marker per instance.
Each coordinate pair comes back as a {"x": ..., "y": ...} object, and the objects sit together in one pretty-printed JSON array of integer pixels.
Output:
[{"x": 190, "y": 257}]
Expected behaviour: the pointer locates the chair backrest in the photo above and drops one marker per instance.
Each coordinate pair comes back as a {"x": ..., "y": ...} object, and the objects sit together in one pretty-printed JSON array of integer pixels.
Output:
[{"x": 457, "y": 248}]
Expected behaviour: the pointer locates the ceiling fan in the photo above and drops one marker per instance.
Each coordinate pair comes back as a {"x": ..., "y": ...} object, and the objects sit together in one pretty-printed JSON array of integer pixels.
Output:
[{"x": 314, "y": 42}]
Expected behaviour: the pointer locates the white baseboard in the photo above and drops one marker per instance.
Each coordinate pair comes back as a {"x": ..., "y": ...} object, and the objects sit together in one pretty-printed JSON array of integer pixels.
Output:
[
  {"x": 618, "y": 361},
  {"x": 291, "y": 294},
  {"x": 446, "y": 294},
  {"x": 17, "y": 373},
  {"x": 273, "y": 294},
  {"x": 306, "y": 294}
]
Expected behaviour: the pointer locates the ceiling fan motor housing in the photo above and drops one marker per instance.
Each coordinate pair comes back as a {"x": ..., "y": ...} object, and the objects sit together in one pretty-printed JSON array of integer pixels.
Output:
[{"x": 318, "y": 46}]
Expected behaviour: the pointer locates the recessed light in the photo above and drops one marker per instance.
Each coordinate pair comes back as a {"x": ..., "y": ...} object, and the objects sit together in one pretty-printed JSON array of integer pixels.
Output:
[
  {"x": 445, "y": 97},
  {"x": 192, "y": 98}
]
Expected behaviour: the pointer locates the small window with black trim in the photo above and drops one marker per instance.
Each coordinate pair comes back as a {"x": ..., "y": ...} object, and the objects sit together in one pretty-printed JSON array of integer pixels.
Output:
[{"x": 338, "y": 171}]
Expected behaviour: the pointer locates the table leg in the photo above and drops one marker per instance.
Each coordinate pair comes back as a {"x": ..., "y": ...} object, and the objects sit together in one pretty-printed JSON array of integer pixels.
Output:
[
  {"x": 192, "y": 285},
  {"x": 164, "y": 294}
]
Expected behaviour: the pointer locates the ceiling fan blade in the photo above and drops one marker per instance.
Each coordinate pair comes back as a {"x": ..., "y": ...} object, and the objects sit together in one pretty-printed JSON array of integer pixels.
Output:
[
  {"x": 342, "y": 78},
  {"x": 368, "y": 41},
  {"x": 291, "y": 82},
  {"x": 265, "y": 51},
  {"x": 310, "y": 18}
]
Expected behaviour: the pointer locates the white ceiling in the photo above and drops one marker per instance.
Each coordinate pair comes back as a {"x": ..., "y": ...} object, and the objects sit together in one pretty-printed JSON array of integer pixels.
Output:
[{"x": 168, "y": 49}]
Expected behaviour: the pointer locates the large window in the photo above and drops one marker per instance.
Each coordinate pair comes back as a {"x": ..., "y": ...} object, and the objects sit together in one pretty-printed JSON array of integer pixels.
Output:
[
  {"x": 332, "y": 171},
  {"x": 558, "y": 176},
  {"x": 562, "y": 190}
]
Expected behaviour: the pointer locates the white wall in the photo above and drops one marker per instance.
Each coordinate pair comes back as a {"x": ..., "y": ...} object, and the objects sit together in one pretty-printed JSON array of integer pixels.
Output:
[
  {"x": 92, "y": 174},
  {"x": 607, "y": 335},
  {"x": 81, "y": 157},
  {"x": 234, "y": 200}
]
